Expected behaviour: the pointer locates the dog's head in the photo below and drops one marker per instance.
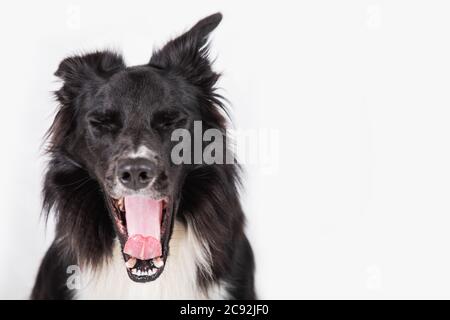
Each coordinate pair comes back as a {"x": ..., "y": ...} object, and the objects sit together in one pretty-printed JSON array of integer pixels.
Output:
[{"x": 116, "y": 123}]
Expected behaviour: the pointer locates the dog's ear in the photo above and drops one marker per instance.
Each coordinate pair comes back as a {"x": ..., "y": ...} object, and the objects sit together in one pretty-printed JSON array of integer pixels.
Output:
[
  {"x": 86, "y": 71},
  {"x": 188, "y": 54},
  {"x": 80, "y": 74}
]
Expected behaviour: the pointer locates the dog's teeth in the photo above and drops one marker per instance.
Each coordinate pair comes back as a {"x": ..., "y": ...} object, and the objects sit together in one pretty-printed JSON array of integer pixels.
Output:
[
  {"x": 120, "y": 204},
  {"x": 158, "y": 262},
  {"x": 139, "y": 272},
  {"x": 134, "y": 271},
  {"x": 151, "y": 271},
  {"x": 130, "y": 263}
]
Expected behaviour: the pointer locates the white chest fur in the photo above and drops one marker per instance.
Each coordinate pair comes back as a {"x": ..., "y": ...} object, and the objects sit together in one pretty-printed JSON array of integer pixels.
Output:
[{"x": 178, "y": 280}]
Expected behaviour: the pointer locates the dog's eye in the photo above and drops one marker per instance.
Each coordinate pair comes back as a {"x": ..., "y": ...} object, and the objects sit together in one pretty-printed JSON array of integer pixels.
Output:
[
  {"x": 168, "y": 119},
  {"x": 101, "y": 124}
]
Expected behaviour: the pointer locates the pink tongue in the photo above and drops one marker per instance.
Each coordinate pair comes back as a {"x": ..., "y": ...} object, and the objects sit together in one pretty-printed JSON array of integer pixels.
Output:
[{"x": 143, "y": 217}]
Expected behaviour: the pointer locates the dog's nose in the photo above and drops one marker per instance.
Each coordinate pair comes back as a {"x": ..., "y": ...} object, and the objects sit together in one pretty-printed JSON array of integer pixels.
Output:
[{"x": 135, "y": 173}]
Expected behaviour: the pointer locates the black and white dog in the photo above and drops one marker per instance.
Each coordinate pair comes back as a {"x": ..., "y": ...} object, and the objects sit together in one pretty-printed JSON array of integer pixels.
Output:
[{"x": 136, "y": 224}]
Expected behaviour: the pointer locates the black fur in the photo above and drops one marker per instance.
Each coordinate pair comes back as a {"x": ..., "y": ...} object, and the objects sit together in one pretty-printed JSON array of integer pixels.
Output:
[{"x": 75, "y": 186}]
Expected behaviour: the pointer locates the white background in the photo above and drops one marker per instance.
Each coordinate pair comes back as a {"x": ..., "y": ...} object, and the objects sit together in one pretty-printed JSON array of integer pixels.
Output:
[{"x": 358, "y": 92}]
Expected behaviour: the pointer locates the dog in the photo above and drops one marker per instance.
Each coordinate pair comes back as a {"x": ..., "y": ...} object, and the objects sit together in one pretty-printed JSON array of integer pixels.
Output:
[{"x": 131, "y": 223}]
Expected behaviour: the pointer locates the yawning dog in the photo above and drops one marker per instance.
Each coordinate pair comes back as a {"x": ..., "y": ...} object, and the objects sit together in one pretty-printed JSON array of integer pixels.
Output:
[{"x": 131, "y": 223}]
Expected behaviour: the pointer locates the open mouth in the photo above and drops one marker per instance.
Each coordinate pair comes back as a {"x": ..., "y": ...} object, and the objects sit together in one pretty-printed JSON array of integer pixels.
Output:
[{"x": 142, "y": 225}]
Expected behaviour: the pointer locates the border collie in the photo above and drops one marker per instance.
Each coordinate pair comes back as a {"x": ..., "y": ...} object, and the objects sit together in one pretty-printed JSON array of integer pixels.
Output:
[{"x": 130, "y": 222}]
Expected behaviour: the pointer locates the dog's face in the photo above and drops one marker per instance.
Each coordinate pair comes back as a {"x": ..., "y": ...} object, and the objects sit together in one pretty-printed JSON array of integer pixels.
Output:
[
  {"x": 126, "y": 127},
  {"x": 122, "y": 119}
]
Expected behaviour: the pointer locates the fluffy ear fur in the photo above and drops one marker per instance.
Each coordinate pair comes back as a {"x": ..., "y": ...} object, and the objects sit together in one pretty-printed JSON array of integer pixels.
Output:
[
  {"x": 188, "y": 54},
  {"x": 85, "y": 71},
  {"x": 187, "y": 57},
  {"x": 81, "y": 75}
]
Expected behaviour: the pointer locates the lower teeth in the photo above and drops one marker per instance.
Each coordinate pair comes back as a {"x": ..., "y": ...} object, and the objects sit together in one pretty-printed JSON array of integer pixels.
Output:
[
  {"x": 143, "y": 273},
  {"x": 157, "y": 262}
]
